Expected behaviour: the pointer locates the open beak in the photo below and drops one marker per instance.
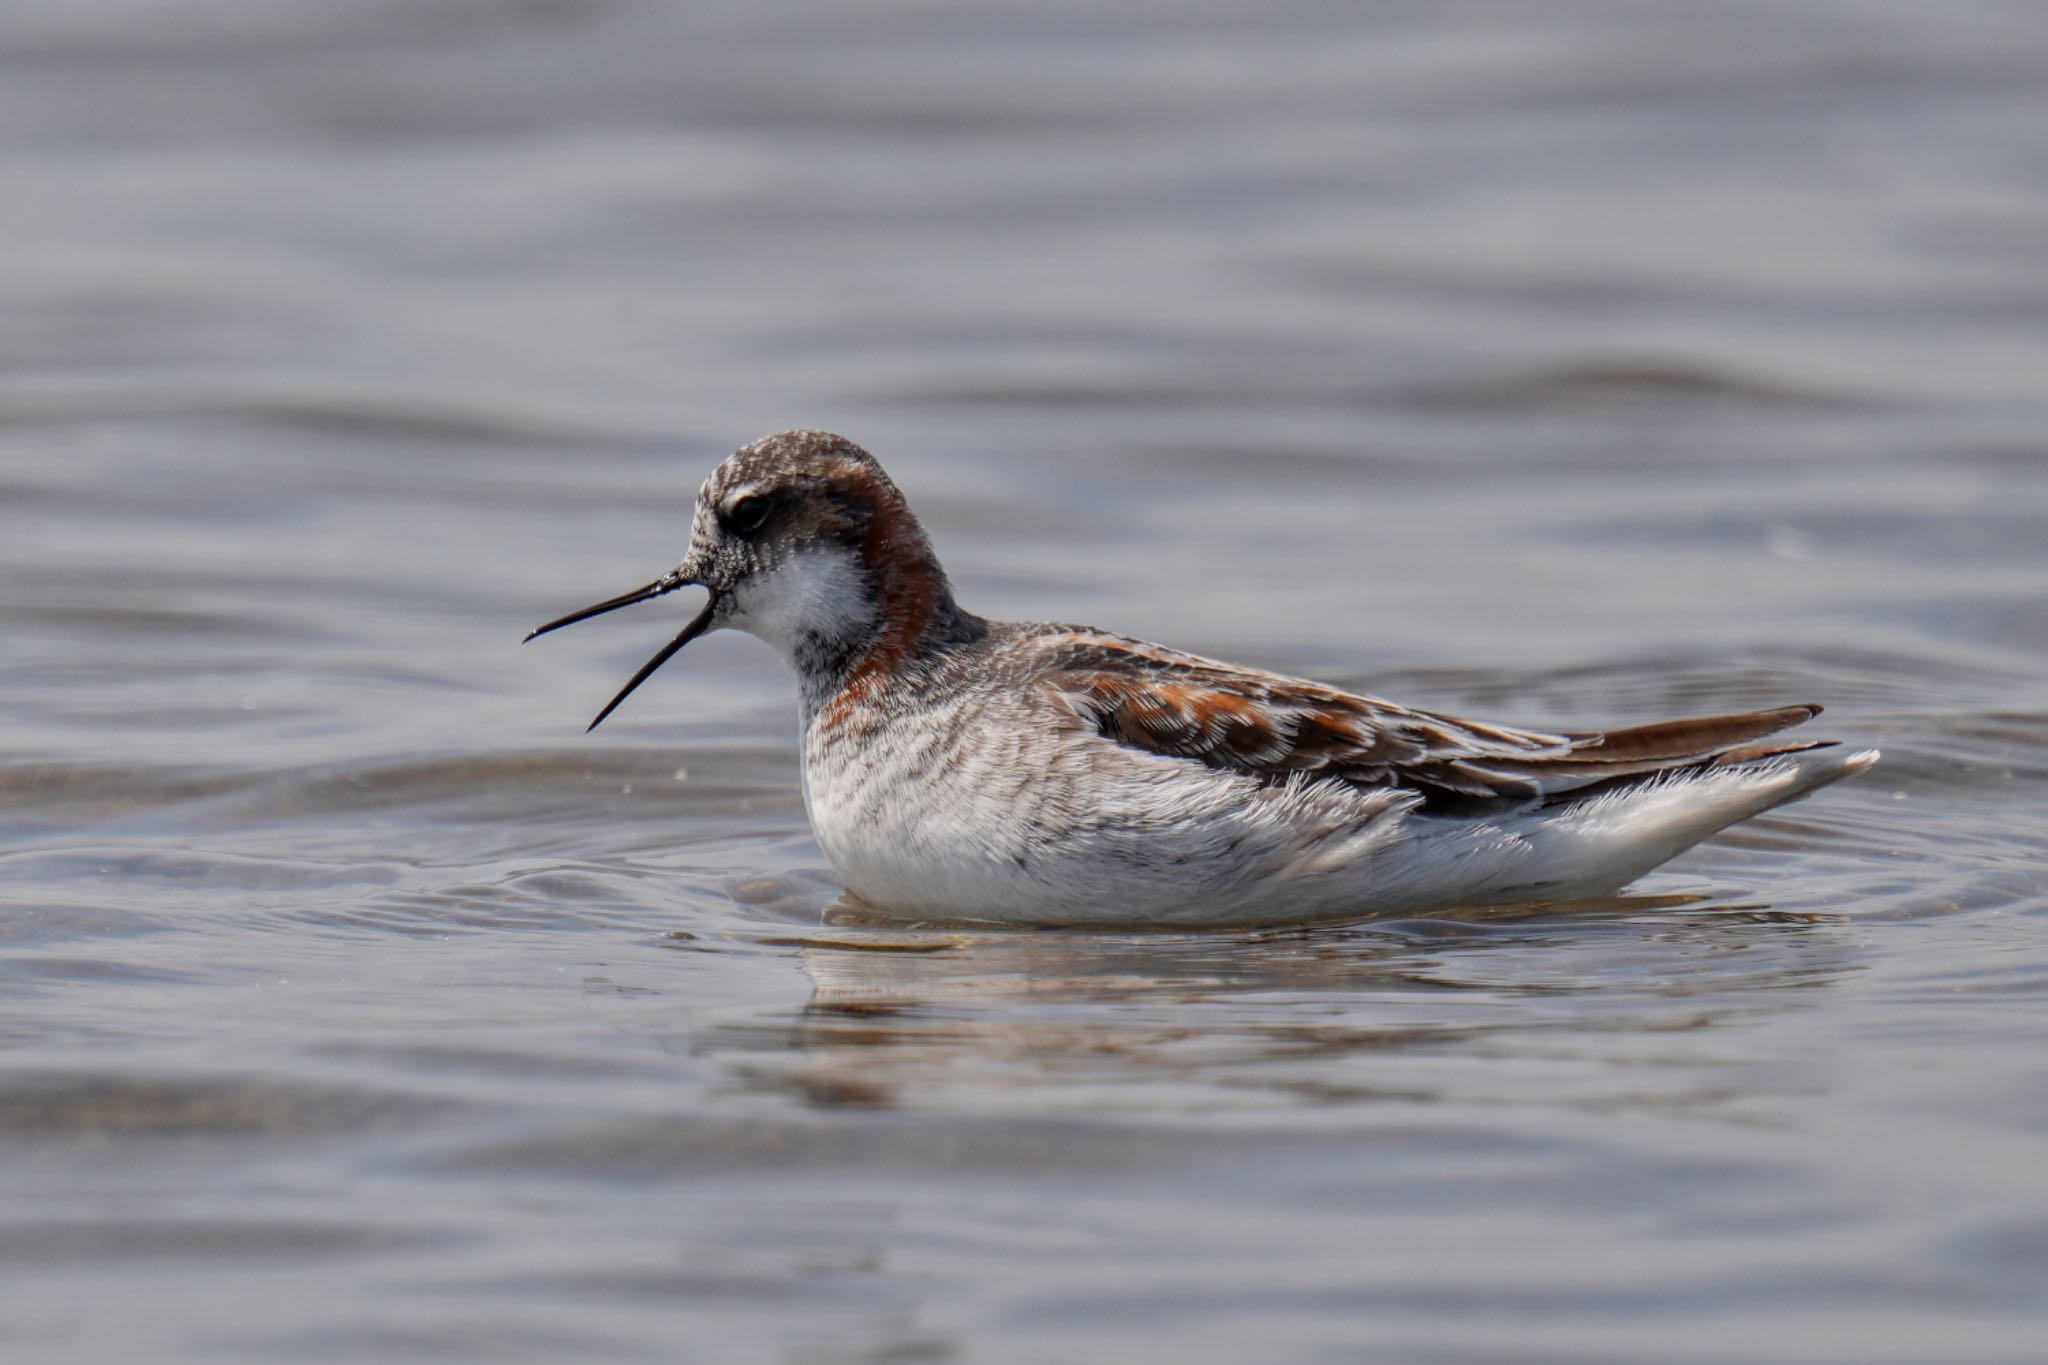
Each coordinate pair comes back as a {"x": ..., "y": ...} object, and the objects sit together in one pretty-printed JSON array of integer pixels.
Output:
[{"x": 667, "y": 583}]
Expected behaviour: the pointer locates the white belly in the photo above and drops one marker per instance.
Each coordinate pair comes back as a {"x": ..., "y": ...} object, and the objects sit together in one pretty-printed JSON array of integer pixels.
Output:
[{"x": 1063, "y": 827}]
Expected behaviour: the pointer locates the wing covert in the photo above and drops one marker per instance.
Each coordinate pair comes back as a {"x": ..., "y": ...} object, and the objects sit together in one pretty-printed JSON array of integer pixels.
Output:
[{"x": 1275, "y": 728}]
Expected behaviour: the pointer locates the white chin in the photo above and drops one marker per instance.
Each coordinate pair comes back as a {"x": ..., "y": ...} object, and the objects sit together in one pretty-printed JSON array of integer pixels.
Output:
[{"x": 815, "y": 594}]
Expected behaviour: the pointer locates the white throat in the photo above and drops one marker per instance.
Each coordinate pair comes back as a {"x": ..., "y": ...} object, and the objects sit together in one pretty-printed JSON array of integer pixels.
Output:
[{"x": 814, "y": 603}]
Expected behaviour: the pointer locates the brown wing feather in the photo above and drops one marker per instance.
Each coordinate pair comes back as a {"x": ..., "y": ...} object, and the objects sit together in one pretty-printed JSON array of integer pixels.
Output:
[
  {"x": 1275, "y": 728},
  {"x": 1698, "y": 737}
]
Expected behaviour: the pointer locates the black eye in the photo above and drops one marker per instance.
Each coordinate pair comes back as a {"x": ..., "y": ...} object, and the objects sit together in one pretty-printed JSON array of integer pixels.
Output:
[{"x": 746, "y": 515}]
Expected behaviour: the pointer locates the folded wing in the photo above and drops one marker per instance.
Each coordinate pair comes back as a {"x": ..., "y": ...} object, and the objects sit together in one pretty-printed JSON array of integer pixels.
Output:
[{"x": 1279, "y": 728}]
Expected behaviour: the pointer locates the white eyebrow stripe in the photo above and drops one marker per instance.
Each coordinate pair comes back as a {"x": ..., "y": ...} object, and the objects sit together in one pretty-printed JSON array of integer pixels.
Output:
[{"x": 738, "y": 496}]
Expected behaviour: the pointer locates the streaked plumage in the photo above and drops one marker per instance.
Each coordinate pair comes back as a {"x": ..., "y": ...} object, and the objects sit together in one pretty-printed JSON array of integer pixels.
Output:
[{"x": 961, "y": 768}]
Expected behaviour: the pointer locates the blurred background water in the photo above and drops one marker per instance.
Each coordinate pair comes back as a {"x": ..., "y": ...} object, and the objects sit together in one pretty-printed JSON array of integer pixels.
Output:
[{"x": 1561, "y": 363}]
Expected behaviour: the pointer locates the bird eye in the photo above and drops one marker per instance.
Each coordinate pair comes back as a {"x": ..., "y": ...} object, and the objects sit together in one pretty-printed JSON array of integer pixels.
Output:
[{"x": 746, "y": 515}]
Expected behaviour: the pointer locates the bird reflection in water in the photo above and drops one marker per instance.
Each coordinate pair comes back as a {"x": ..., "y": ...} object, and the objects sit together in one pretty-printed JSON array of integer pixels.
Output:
[{"x": 1371, "y": 1011}]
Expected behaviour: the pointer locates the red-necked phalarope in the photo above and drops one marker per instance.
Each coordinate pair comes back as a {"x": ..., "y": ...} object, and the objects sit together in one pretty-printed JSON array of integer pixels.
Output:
[{"x": 960, "y": 768}]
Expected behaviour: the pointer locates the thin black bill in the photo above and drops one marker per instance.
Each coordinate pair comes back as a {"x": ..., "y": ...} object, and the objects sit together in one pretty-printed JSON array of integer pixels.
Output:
[
  {"x": 647, "y": 592},
  {"x": 697, "y": 625}
]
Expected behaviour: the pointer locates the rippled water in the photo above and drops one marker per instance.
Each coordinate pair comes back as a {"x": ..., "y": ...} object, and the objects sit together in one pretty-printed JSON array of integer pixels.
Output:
[{"x": 1562, "y": 364}]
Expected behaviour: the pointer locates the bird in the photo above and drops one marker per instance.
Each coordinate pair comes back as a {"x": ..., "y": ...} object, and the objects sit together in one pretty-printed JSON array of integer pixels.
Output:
[{"x": 961, "y": 769}]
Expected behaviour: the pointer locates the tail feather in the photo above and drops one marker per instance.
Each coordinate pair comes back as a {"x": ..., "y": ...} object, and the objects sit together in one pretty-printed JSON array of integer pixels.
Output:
[
  {"x": 1599, "y": 843},
  {"x": 1749, "y": 753}
]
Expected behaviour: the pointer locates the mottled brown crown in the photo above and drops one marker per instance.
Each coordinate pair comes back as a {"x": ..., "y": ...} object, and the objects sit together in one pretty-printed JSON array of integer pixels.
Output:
[
  {"x": 805, "y": 445},
  {"x": 788, "y": 456},
  {"x": 830, "y": 486}
]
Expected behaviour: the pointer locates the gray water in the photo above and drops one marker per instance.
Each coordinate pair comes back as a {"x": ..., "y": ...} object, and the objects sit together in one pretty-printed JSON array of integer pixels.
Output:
[{"x": 1561, "y": 364}]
